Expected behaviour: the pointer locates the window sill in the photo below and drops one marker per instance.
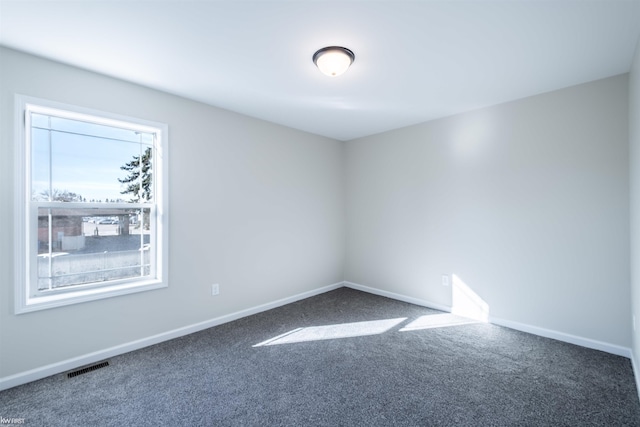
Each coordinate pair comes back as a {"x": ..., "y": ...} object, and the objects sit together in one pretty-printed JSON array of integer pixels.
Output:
[{"x": 36, "y": 303}]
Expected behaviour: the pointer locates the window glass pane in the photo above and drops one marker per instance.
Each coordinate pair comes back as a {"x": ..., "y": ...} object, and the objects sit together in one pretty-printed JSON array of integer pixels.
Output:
[
  {"x": 39, "y": 164},
  {"x": 83, "y": 162},
  {"x": 80, "y": 246},
  {"x": 93, "y": 129},
  {"x": 147, "y": 138},
  {"x": 40, "y": 121},
  {"x": 91, "y": 168}
]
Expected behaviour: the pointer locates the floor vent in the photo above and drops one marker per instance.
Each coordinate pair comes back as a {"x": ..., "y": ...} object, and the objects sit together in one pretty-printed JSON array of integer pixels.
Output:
[{"x": 87, "y": 369}]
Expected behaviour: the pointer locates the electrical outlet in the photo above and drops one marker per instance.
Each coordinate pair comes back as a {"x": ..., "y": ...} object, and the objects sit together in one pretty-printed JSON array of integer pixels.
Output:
[
  {"x": 445, "y": 280},
  {"x": 633, "y": 322},
  {"x": 215, "y": 289}
]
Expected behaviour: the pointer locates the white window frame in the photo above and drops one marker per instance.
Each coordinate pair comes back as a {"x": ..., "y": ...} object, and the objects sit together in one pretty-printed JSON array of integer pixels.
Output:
[{"x": 26, "y": 300}]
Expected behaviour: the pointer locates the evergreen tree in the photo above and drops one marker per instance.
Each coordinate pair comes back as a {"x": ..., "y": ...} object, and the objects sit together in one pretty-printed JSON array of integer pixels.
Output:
[
  {"x": 140, "y": 170},
  {"x": 136, "y": 167}
]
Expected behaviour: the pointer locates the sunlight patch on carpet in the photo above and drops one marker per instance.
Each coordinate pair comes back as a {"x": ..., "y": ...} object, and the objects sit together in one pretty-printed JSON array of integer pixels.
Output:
[
  {"x": 329, "y": 332},
  {"x": 430, "y": 321}
]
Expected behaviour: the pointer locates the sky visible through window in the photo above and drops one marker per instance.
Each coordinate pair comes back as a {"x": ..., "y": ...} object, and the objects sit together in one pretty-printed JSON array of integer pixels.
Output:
[{"x": 84, "y": 158}]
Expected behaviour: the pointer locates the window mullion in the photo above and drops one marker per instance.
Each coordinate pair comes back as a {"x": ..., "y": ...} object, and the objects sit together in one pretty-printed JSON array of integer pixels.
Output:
[
  {"x": 49, "y": 214},
  {"x": 141, "y": 211},
  {"x": 50, "y": 257}
]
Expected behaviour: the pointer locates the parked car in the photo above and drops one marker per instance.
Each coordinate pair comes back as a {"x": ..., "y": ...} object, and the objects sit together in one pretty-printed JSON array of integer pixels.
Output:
[{"x": 108, "y": 221}]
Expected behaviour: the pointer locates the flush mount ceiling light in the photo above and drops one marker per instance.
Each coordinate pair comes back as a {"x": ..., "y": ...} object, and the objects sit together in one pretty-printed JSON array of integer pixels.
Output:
[{"x": 333, "y": 60}]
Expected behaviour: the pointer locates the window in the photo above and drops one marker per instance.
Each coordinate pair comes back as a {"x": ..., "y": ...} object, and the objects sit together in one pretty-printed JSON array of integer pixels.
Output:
[{"x": 91, "y": 205}]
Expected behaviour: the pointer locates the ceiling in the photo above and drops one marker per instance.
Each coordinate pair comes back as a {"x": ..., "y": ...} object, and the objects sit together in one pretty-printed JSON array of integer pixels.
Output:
[{"x": 415, "y": 60}]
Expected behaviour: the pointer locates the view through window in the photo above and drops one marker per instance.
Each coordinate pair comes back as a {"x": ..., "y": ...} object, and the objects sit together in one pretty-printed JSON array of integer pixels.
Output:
[{"x": 91, "y": 203}]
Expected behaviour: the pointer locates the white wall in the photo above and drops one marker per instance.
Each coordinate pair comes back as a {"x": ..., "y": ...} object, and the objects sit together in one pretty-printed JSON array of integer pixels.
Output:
[
  {"x": 255, "y": 207},
  {"x": 634, "y": 156},
  {"x": 527, "y": 202}
]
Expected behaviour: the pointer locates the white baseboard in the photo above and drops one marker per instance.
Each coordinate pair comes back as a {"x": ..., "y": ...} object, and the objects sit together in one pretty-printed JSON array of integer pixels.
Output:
[
  {"x": 73, "y": 363},
  {"x": 547, "y": 333},
  {"x": 399, "y": 297},
  {"x": 561, "y": 336}
]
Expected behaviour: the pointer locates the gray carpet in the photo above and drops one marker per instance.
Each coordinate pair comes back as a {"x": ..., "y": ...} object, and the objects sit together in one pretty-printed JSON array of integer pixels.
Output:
[{"x": 411, "y": 367}]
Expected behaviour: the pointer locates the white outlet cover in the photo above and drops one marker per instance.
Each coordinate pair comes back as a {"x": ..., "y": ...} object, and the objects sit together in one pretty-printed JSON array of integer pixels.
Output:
[{"x": 215, "y": 289}]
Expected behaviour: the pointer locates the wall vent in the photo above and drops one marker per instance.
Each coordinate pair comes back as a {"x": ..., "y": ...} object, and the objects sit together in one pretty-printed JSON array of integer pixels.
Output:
[{"x": 87, "y": 369}]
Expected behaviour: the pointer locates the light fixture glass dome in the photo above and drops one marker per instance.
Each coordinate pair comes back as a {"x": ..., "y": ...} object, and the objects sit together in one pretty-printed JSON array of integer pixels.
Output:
[{"x": 333, "y": 60}]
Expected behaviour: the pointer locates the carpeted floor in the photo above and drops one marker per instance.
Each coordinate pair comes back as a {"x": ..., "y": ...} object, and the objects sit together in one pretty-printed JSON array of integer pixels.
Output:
[{"x": 315, "y": 363}]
